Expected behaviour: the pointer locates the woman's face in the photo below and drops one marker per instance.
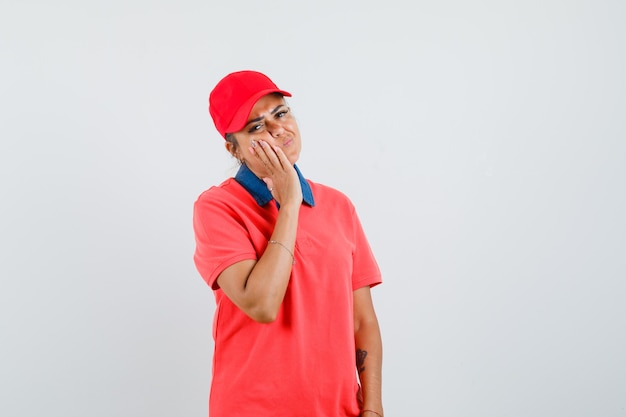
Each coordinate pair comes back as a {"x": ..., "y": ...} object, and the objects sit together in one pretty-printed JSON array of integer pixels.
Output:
[{"x": 271, "y": 121}]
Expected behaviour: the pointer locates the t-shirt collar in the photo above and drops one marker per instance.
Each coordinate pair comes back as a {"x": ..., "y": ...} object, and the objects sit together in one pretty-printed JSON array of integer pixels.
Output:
[{"x": 258, "y": 189}]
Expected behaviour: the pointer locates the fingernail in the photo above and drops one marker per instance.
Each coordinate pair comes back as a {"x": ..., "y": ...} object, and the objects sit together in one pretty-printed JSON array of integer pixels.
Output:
[{"x": 253, "y": 143}]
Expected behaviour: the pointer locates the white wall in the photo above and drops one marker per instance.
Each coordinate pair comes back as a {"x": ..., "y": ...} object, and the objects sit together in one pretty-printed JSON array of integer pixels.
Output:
[{"x": 482, "y": 142}]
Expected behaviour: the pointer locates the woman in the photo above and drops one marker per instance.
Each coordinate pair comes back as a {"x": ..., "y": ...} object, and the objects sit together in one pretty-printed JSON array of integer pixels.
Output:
[{"x": 291, "y": 271}]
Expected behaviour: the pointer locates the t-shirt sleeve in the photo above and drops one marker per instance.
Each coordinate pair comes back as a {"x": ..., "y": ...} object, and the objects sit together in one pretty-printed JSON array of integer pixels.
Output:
[
  {"x": 365, "y": 268},
  {"x": 221, "y": 238}
]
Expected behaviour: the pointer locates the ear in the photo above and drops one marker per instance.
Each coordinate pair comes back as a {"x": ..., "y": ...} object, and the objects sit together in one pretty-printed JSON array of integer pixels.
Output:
[{"x": 230, "y": 148}]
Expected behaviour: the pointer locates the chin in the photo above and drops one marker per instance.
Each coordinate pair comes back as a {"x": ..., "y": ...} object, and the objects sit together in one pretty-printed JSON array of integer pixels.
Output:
[{"x": 293, "y": 159}]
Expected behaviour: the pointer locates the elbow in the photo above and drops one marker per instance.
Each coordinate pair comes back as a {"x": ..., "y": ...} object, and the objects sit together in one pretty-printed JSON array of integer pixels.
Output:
[
  {"x": 263, "y": 315},
  {"x": 264, "y": 319},
  {"x": 262, "y": 308}
]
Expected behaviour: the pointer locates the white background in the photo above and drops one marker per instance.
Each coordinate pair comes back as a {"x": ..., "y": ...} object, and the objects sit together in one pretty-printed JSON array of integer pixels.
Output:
[{"x": 482, "y": 142}]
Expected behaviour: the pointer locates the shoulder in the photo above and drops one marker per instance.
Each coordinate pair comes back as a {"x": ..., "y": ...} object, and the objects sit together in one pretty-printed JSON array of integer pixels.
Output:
[
  {"x": 325, "y": 194},
  {"x": 227, "y": 188},
  {"x": 228, "y": 193},
  {"x": 327, "y": 191}
]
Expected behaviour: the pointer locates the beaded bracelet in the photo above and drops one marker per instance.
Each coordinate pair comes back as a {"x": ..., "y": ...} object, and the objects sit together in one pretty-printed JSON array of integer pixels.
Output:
[
  {"x": 293, "y": 260},
  {"x": 372, "y": 411}
]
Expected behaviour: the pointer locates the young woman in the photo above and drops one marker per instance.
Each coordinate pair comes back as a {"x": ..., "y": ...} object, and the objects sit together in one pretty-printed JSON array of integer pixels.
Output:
[{"x": 291, "y": 271}]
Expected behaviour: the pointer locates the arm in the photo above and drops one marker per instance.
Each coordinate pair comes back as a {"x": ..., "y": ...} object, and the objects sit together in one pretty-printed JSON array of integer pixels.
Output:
[
  {"x": 369, "y": 351},
  {"x": 258, "y": 287}
]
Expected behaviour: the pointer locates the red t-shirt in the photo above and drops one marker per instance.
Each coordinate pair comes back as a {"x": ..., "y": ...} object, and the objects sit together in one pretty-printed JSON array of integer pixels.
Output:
[{"x": 303, "y": 363}]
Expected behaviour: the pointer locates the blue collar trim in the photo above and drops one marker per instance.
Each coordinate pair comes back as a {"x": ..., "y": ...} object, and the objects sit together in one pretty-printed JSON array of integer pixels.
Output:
[{"x": 258, "y": 189}]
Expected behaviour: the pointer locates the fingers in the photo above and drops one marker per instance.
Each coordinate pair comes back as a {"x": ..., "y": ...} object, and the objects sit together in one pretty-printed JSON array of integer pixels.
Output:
[
  {"x": 277, "y": 172},
  {"x": 269, "y": 183},
  {"x": 282, "y": 158},
  {"x": 271, "y": 156}
]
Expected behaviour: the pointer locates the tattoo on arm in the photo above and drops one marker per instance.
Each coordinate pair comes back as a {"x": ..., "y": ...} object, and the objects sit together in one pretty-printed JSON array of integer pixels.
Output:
[{"x": 360, "y": 360}]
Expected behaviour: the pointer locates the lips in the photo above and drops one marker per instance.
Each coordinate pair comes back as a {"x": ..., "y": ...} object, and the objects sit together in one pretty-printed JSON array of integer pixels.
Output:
[{"x": 288, "y": 142}]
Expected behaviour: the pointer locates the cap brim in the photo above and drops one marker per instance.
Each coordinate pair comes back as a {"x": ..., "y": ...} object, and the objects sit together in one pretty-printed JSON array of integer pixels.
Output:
[{"x": 241, "y": 117}]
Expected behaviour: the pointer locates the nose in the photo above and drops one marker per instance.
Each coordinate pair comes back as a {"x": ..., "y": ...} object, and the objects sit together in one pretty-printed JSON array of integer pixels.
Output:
[{"x": 274, "y": 129}]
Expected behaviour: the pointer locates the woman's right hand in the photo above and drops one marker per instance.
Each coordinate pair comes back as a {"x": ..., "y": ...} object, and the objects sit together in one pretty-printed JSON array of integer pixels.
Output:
[{"x": 281, "y": 177}]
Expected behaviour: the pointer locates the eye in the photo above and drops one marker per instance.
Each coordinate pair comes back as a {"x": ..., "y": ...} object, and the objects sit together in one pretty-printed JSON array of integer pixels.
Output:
[
  {"x": 282, "y": 113},
  {"x": 255, "y": 128}
]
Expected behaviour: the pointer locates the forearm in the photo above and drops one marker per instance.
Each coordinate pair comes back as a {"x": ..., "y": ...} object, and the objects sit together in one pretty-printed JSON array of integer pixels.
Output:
[
  {"x": 267, "y": 283},
  {"x": 369, "y": 354}
]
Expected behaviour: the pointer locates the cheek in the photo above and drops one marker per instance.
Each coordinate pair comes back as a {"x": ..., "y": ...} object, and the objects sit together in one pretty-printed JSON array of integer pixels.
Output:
[
  {"x": 293, "y": 125},
  {"x": 256, "y": 166}
]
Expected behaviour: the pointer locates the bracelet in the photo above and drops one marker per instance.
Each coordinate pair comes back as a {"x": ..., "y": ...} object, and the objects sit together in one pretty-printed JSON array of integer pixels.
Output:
[
  {"x": 372, "y": 411},
  {"x": 293, "y": 260}
]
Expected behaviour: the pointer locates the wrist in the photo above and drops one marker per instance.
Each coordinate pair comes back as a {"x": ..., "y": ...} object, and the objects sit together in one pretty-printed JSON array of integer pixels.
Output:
[
  {"x": 366, "y": 412},
  {"x": 293, "y": 204}
]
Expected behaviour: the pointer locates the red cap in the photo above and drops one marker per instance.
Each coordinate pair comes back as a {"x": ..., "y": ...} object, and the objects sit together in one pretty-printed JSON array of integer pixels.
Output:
[{"x": 233, "y": 97}]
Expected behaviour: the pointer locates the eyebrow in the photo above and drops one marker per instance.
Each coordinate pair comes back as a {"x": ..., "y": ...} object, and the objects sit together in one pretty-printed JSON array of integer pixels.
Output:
[{"x": 258, "y": 119}]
